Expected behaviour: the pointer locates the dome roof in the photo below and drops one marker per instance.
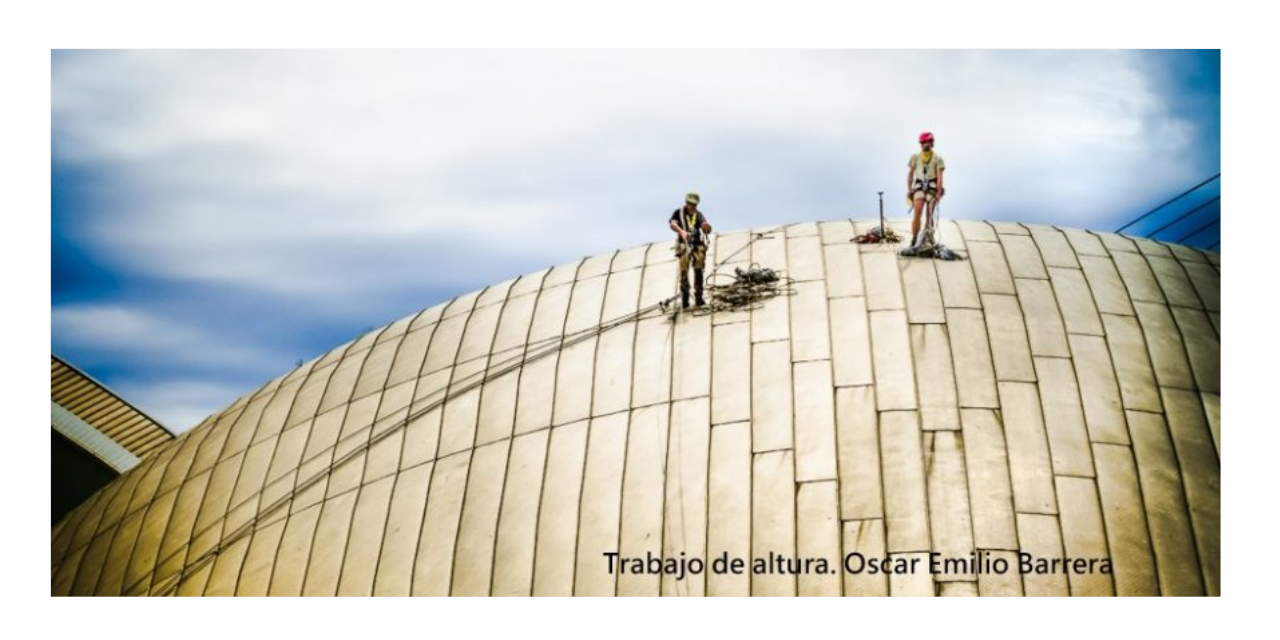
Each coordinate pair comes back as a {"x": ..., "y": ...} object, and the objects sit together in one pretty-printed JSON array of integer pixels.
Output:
[{"x": 1055, "y": 395}]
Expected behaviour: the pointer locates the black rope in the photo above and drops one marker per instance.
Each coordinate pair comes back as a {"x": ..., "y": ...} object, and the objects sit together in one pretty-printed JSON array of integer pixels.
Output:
[{"x": 748, "y": 290}]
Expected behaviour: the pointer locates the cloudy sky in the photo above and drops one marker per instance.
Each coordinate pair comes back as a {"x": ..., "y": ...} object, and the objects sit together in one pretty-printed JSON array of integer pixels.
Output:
[{"x": 218, "y": 216}]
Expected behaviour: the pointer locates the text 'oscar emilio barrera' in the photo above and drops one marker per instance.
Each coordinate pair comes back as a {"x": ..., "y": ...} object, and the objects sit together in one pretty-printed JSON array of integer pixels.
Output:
[{"x": 980, "y": 562}]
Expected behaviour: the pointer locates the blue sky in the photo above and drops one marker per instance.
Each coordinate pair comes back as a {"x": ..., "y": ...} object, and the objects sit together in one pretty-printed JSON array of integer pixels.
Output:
[{"x": 218, "y": 216}]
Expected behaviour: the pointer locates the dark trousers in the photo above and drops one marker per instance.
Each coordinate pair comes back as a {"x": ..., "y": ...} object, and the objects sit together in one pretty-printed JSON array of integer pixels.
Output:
[{"x": 699, "y": 260}]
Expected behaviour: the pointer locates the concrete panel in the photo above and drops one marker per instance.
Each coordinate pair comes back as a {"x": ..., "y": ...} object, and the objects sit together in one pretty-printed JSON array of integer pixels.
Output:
[
  {"x": 1202, "y": 348},
  {"x": 1126, "y": 523},
  {"x": 1136, "y": 274},
  {"x": 731, "y": 373},
  {"x": 850, "y": 342},
  {"x": 651, "y": 378},
  {"x": 1064, "y": 417},
  {"x": 865, "y": 537},
  {"x": 1083, "y": 534},
  {"x": 1085, "y": 243},
  {"x": 905, "y": 500},
  {"x": 815, "y": 424},
  {"x": 771, "y": 397},
  {"x": 1010, "y": 350},
  {"x": 915, "y": 584},
  {"x": 773, "y": 518},
  {"x": 729, "y": 506},
  {"x": 804, "y": 258},
  {"x": 433, "y": 564},
  {"x": 643, "y": 494},
  {"x": 513, "y": 326},
  {"x": 1075, "y": 301},
  {"x": 924, "y": 298},
  {"x": 611, "y": 388},
  {"x": 1007, "y": 584},
  {"x": 731, "y": 248},
  {"x": 1198, "y": 459},
  {"x": 976, "y": 230},
  {"x": 951, "y": 236},
  {"x": 990, "y": 268},
  {"x": 818, "y": 536},
  {"x": 1029, "y": 464},
  {"x": 858, "y": 442},
  {"x": 1109, "y": 292},
  {"x": 1039, "y": 536},
  {"x": 1174, "y": 282},
  {"x": 601, "y": 505},
  {"x": 880, "y": 273},
  {"x": 1164, "y": 346},
  {"x": 1152, "y": 248},
  {"x": 400, "y": 537},
  {"x": 810, "y": 336},
  {"x": 949, "y": 500},
  {"x": 685, "y": 512},
  {"x": 1138, "y": 388},
  {"x": 891, "y": 354},
  {"x": 558, "y": 514},
  {"x": 1023, "y": 256},
  {"x": 1212, "y": 411},
  {"x": 691, "y": 357},
  {"x": 935, "y": 377},
  {"x": 1207, "y": 284},
  {"x": 1116, "y": 243},
  {"x": 1100, "y": 394},
  {"x": 972, "y": 354},
  {"x": 1165, "y": 501},
  {"x": 1054, "y": 248},
  {"x": 990, "y": 494},
  {"x": 844, "y": 270},
  {"x": 1045, "y": 329},
  {"x": 959, "y": 287}
]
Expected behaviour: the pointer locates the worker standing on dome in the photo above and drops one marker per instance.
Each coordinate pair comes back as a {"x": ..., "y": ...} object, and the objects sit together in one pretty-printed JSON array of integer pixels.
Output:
[
  {"x": 691, "y": 227},
  {"x": 924, "y": 183}
]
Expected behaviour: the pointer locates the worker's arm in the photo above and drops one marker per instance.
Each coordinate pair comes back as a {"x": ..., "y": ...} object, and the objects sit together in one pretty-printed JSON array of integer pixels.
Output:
[
  {"x": 910, "y": 172},
  {"x": 941, "y": 191},
  {"x": 706, "y": 226},
  {"x": 680, "y": 232}
]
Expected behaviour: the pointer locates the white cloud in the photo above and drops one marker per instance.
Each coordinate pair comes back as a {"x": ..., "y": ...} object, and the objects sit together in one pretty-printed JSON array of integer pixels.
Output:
[
  {"x": 179, "y": 404},
  {"x": 123, "y": 332},
  {"x": 301, "y": 172}
]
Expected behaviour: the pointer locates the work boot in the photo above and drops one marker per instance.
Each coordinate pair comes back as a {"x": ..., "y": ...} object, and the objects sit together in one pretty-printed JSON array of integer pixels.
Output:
[
  {"x": 698, "y": 299},
  {"x": 684, "y": 299}
]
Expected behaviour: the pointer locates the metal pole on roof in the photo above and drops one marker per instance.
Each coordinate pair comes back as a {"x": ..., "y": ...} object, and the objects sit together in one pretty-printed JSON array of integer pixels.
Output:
[{"x": 882, "y": 232}]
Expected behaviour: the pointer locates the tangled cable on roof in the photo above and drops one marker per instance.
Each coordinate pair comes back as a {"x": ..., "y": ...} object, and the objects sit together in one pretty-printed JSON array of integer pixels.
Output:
[
  {"x": 749, "y": 289},
  {"x": 878, "y": 234}
]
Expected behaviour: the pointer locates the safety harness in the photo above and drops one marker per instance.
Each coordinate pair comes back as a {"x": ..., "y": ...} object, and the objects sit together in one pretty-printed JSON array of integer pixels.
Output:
[{"x": 690, "y": 225}]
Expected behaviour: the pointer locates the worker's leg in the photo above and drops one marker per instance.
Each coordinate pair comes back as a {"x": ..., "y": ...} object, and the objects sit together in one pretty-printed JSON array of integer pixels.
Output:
[
  {"x": 931, "y": 203},
  {"x": 682, "y": 278},
  {"x": 917, "y": 204},
  {"x": 699, "y": 267}
]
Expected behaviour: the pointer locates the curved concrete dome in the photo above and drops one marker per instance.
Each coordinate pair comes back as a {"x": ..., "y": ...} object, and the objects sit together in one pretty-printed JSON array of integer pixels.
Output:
[{"x": 1056, "y": 395}]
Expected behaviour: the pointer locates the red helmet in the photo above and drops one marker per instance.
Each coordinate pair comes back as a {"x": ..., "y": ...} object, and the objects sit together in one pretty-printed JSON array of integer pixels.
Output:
[{"x": 926, "y": 137}]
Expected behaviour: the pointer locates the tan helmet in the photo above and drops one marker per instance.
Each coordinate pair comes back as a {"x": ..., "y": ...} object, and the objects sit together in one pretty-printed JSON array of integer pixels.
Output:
[{"x": 692, "y": 198}]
